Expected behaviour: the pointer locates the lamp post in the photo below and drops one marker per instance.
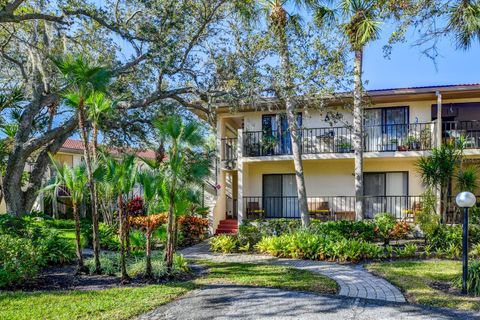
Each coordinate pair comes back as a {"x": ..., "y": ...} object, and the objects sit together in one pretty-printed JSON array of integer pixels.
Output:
[{"x": 465, "y": 200}]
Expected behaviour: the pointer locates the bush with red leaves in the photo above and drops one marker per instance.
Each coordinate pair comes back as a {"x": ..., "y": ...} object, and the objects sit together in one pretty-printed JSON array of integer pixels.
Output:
[
  {"x": 135, "y": 207},
  {"x": 193, "y": 229}
]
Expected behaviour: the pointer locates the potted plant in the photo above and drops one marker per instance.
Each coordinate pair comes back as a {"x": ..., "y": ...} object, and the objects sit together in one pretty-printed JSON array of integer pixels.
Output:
[
  {"x": 413, "y": 143},
  {"x": 402, "y": 146},
  {"x": 269, "y": 143},
  {"x": 344, "y": 146}
]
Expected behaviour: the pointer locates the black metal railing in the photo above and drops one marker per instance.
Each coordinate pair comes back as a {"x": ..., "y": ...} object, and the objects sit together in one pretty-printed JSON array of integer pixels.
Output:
[
  {"x": 229, "y": 149},
  {"x": 399, "y": 137},
  {"x": 389, "y": 137},
  {"x": 330, "y": 207},
  {"x": 452, "y": 131}
]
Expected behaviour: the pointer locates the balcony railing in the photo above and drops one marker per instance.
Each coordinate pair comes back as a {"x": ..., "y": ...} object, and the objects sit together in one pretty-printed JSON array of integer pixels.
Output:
[
  {"x": 391, "y": 137},
  {"x": 330, "y": 207},
  {"x": 228, "y": 154},
  {"x": 470, "y": 130}
]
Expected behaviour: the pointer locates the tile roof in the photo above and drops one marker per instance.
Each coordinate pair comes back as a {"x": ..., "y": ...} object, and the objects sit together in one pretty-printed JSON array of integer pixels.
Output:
[{"x": 73, "y": 144}]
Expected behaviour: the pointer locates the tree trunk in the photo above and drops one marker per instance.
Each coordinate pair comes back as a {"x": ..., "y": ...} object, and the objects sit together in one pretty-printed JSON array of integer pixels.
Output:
[
  {"x": 148, "y": 251},
  {"x": 95, "y": 140},
  {"x": 121, "y": 218},
  {"x": 78, "y": 246},
  {"x": 88, "y": 161},
  {"x": 170, "y": 249},
  {"x": 358, "y": 134},
  {"x": 295, "y": 136}
]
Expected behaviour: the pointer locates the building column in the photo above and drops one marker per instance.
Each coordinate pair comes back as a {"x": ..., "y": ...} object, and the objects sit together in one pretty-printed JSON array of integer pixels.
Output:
[
  {"x": 240, "y": 176},
  {"x": 438, "y": 145},
  {"x": 439, "y": 119}
]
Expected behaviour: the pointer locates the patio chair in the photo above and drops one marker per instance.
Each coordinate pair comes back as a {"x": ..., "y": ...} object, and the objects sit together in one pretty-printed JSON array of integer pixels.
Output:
[
  {"x": 412, "y": 212},
  {"x": 319, "y": 210},
  {"x": 254, "y": 211}
]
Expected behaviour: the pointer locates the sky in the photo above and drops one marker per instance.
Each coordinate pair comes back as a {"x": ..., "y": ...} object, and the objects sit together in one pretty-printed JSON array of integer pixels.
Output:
[{"x": 408, "y": 67}]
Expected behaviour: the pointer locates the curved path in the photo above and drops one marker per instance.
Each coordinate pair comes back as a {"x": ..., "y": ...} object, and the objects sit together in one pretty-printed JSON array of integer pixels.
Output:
[
  {"x": 244, "y": 302},
  {"x": 354, "y": 281}
]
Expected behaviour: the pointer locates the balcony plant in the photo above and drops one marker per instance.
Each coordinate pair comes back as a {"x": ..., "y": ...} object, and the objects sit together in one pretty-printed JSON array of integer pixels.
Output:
[
  {"x": 413, "y": 143},
  {"x": 269, "y": 142},
  {"x": 344, "y": 146},
  {"x": 402, "y": 146}
]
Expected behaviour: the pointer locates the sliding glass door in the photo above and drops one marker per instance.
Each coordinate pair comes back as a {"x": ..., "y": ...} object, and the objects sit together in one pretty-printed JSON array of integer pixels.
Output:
[
  {"x": 276, "y": 134},
  {"x": 385, "y": 128},
  {"x": 385, "y": 192},
  {"x": 280, "y": 196}
]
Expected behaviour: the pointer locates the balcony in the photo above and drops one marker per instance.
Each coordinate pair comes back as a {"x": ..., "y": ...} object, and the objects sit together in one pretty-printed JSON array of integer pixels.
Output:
[
  {"x": 334, "y": 208},
  {"x": 470, "y": 130},
  {"x": 380, "y": 138},
  {"x": 329, "y": 207}
]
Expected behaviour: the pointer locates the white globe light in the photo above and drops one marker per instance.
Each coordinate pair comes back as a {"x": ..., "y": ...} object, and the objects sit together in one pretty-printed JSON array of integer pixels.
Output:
[{"x": 466, "y": 199}]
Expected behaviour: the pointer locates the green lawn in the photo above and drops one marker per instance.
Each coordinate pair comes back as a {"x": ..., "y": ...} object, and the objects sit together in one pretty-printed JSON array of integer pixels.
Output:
[
  {"x": 268, "y": 276},
  {"x": 121, "y": 303},
  {"x": 125, "y": 303},
  {"x": 421, "y": 282}
]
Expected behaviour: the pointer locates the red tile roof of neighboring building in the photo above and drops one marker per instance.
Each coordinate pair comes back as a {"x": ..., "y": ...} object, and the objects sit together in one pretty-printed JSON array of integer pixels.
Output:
[{"x": 72, "y": 144}]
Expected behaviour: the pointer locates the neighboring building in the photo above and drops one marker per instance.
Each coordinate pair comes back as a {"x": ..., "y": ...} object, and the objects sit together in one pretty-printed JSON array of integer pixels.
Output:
[
  {"x": 256, "y": 173},
  {"x": 71, "y": 153}
]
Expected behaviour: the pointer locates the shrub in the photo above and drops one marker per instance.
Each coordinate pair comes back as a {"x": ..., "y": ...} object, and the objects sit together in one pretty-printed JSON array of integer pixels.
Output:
[
  {"x": 137, "y": 240},
  {"x": 443, "y": 236},
  {"x": 409, "y": 250},
  {"x": 193, "y": 229},
  {"x": 400, "y": 230},
  {"x": 136, "y": 265},
  {"x": 384, "y": 225},
  {"x": 108, "y": 236},
  {"x": 345, "y": 229},
  {"x": 54, "y": 249},
  {"x": 224, "y": 243},
  {"x": 427, "y": 219},
  {"x": 135, "y": 207},
  {"x": 19, "y": 260},
  {"x": 249, "y": 235},
  {"x": 274, "y": 227},
  {"x": 309, "y": 245},
  {"x": 473, "y": 280}
]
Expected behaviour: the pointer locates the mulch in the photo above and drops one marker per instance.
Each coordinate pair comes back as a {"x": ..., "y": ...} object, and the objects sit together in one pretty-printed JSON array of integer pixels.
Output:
[{"x": 61, "y": 278}]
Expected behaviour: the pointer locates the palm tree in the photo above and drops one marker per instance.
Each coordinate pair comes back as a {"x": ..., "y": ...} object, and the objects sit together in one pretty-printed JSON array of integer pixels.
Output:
[
  {"x": 437, "y": 171},
  {"x": 83, "y": 79},
  {"x": 360, "y": 24},
  {"x": 464, "y": 22},
  {"x": 99, "y": 105},
  {"x": 73, "y": 181},
  {"x": 184, "y": 168},
  {"x": 279, "y": 22},
  {"x": 150, "y": 182},
  {"x": 121, "y": 175}
]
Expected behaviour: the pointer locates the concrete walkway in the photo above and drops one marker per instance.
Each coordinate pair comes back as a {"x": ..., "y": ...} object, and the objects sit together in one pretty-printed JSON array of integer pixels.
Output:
[
  {"x": 245, "y": 302},
  {"x": 354, "y": 281}
]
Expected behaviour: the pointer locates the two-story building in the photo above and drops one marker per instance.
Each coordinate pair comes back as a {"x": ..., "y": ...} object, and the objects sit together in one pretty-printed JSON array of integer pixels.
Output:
[{"x": 256, "y": 172}]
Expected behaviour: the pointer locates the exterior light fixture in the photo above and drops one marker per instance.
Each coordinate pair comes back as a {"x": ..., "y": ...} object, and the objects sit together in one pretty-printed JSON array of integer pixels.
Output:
[{"x": 465, "y": 200}]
